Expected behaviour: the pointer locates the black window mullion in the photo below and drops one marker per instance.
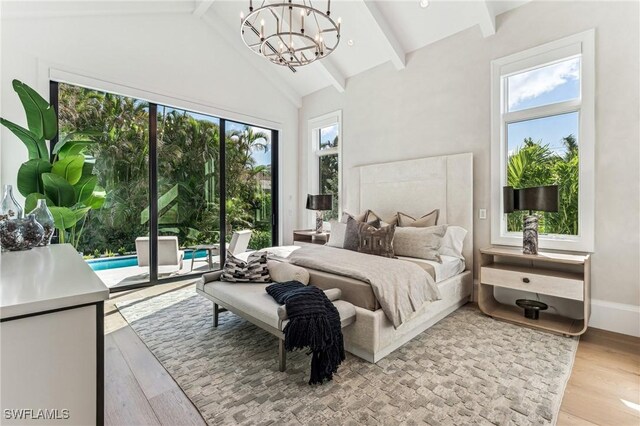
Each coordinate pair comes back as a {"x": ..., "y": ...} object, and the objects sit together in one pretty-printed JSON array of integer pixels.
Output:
[
  {"x": 53, "y": 100},
  {"x": 223, "y": 191},
  {"x": 153, "y": 193},
  {"x": 275, "y": 236}
]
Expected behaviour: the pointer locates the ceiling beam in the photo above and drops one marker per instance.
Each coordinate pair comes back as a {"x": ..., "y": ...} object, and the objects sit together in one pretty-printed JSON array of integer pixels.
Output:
[
  {"x": 394, "y": 48},
  {"x": 331, "y": 73},
  {"x": 232, "y": 38},
  {"x": 487, "y": 18},
  {"x": 201, "y": 7}
]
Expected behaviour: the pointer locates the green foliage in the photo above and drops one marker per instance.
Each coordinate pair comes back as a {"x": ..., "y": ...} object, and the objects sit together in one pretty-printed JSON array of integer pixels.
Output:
[
  {"x": 260, "y": 239},
  {"x": 40, "y": 178},
  {"x": 534, "y": 164}
]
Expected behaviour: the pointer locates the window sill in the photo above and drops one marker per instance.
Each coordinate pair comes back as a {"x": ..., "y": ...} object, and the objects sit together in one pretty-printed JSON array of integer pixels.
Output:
[{"x": 546, "y": 242}]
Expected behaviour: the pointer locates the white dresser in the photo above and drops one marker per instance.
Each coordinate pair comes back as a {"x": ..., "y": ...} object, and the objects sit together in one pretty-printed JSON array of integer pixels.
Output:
[{"x": 51, "y": 338}]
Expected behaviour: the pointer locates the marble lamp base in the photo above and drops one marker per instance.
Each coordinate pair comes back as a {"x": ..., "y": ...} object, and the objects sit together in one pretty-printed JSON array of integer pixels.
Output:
[
  {"x": 530, "y": 235},
  {"x": 320, "y": 222}
]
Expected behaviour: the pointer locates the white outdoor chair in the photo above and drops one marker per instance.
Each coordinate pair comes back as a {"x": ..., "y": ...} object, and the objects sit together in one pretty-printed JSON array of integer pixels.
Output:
[
  {"x": 239, "y": 244},
  {"x": 169, "y": 254}
]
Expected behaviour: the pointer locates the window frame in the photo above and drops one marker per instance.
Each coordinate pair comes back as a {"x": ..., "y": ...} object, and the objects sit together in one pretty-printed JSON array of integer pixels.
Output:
[
  {"x": 313, "y": 179},
  {"x": 583, "y": 45}
]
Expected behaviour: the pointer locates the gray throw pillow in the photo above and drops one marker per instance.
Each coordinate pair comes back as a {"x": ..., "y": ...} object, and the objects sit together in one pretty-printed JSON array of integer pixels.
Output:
[
  {"x": 376, "y": 241},
  {"x": 337, "y": 235},
  {"x": 429, "y": 219},
  {"x": 352, "y": 233},
  {"x": 254, "y": 270},
  {"x": 421, "y": 243}
]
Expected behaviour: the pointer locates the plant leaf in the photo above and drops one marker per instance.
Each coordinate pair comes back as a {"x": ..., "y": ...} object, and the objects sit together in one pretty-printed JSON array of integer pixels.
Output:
[
  {"x": 163, "y": 202},
  {"x": 80, "y": 213},
  {"x": 35, "y": 146},
  {"x": 58, "y": 190},
  {"x": 84, "y": 188},
  {"x": 63, "y": 217},
  {"x": 70, "y": 168},
  {"x": 72, "y": 148},
  {"x": 41, "y": 117},
  {"x": 32, "y": 200},
  {"x": 87, "y": 169},
  {"x": 30, "y": 176},
  {"x": 96, "y": 201}
]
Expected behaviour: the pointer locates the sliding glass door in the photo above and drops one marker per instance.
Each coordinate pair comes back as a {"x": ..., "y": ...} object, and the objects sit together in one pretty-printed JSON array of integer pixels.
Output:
[{"x": 176, "y": 192}]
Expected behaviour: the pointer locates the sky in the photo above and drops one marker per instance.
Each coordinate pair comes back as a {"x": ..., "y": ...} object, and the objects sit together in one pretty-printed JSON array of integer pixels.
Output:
[
  {"x": 328, "y": 134},
  {"x": 550, "y": 84}
]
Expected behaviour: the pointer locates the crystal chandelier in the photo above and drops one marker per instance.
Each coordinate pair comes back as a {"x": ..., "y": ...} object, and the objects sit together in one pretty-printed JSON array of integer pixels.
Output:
[{"x": 290, "y": 33}]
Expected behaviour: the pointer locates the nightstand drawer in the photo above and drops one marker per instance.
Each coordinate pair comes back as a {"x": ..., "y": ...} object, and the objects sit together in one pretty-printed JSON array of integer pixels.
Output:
[{"x": 553, "y": 283}]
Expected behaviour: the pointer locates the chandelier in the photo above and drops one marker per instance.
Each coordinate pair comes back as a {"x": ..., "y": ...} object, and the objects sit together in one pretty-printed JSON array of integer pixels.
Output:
[{"x": 290, "y": 33}]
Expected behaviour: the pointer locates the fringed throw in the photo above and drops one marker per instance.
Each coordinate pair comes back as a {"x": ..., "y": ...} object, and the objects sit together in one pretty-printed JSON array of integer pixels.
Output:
[{"x": 314, "y": 323}]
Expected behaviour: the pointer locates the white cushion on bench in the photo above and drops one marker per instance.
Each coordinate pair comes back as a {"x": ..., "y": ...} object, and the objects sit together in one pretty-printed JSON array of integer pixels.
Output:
[{"x": 246, "y": 297}]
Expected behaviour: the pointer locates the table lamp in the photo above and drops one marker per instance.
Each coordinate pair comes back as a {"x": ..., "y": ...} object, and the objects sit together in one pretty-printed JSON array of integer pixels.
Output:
[
  {"x": 319, "y": 203},
  {"x": 538, "y": 198}
]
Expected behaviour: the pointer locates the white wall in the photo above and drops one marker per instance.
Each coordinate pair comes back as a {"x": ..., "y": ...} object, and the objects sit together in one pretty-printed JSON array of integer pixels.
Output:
[
  {"x": 176, "y": 57},
  {"x": 440, "y": 104}
]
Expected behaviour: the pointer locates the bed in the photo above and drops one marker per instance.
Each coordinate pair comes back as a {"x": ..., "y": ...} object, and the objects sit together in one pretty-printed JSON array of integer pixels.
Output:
[{"x": 414, "y": 187}]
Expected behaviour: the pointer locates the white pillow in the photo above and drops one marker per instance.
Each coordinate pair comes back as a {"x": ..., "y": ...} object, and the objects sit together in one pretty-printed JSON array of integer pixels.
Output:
[
  {"x": 453, "y": 241},
  {"x": 282, "y": 272},
  {"x": 338, "y": 231}
]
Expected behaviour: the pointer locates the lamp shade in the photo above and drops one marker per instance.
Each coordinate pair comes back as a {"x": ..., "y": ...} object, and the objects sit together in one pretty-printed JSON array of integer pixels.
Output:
[
  {"x": 319, "y": 202},
  {"x": 538, "y": 198}
]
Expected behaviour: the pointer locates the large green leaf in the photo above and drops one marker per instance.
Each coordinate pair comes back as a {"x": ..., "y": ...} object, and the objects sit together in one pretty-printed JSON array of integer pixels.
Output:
[
  {"x": 163, "y": 202},
  {"x": 97, "y": 199},
  {"x": 72, "y": 148},
  {"x": 70, "y": 168},
  {"x": 87, "y": 169},
  {"x": 84, "y": 188},
  {"x": 58, "y": 190},
  {"x": 32, "y": 200},
  {"x": 36, "y": 146},
  {"x": 41, "y": 117},
  {"x": 81, "y": 213},
  {"x": 29, "y": 176},
  {"x": 63, "y": 218}
]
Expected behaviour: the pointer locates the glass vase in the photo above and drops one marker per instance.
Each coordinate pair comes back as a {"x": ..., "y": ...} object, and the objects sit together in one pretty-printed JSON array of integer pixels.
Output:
[
  {"x": 45, "y": 219},
  {"x": 20, "y": 234},
  {"x": 9, "y": 208}
]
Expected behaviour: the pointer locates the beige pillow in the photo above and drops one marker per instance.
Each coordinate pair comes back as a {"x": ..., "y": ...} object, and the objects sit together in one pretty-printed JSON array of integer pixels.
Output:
[
  {"x": 422, "y": 243},
  {"x": 282, "y": 272},
  {"x": 429, "y": 219}
]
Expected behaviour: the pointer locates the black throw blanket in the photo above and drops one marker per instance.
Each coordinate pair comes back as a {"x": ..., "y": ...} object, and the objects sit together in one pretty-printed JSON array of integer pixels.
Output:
[{"x": 314, "y": 323}]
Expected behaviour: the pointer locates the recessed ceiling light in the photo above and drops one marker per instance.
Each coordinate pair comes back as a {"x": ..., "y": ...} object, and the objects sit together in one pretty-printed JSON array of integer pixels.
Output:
[
  {"x": 350, "y": 42},
  {"x": 424, "y": 3}
]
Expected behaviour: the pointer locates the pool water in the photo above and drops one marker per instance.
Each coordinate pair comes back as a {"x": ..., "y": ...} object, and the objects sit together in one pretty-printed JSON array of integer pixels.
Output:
[{"x": 132, "y": 260}]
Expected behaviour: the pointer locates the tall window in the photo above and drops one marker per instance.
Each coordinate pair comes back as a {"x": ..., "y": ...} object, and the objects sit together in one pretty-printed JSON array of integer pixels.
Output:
[
  {"x": 182, "y": 198},
  {"x": 543, "y": 135},
  {"x": 325, "y": 167}
]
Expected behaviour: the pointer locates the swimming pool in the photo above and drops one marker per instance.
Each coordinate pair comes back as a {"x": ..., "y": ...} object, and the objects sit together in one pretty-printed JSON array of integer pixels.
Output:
[{"x": 131, "y": 260}]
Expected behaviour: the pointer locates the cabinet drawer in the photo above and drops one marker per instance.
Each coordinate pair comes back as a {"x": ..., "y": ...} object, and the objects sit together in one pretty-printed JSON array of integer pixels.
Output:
[{"x": 553, "y": 283}]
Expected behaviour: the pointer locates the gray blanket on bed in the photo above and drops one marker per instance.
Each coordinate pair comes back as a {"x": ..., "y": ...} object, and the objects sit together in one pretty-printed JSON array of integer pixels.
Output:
[{"x": 401, "y": 287}]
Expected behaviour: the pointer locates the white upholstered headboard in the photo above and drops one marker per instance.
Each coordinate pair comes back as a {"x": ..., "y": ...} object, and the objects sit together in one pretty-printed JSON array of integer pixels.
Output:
[{"x": 416, "y": 187}]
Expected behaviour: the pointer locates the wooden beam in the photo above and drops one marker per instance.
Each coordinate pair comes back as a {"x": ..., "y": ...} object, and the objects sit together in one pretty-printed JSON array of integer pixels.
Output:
[
  {"x": 233, "y": 39},
  {"x": 201, "y": 7},
  {"x": 394, "y": 49},
  {"x": 331, "y": 73},
  {"x": 487, "y": 18}
]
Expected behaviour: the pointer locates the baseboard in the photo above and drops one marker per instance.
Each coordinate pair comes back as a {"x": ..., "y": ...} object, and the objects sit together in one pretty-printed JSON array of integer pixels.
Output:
[{"x": 616, "y": 317}]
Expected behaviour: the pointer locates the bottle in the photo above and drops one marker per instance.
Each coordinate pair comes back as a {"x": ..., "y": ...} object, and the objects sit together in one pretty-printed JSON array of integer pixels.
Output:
[
  {"x": 45, "y": 219},
  {"x": 9, "y": 208}
]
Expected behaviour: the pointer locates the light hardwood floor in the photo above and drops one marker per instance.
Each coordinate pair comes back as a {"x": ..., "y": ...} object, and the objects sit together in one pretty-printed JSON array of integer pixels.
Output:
[{"x": 604, "y": 388}]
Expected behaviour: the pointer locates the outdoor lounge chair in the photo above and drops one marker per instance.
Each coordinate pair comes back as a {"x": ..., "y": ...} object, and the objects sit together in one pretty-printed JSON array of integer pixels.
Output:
[
  {"x": 238, "y": 244},
  {"x": 169, "y": 254}
]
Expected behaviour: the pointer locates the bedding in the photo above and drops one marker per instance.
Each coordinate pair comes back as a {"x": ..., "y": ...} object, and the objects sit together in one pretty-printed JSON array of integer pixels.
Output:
[
  {"x": 450, "y": 266},
  {"x": 401, "y": 288},
  {"x": 337, "y": 235},
  {"x": 429, "y": 219},
  {"x": 422, "y": 243}
]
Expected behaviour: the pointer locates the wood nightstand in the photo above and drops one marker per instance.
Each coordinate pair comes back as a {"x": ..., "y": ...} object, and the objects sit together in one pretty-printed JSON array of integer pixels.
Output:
[
  {"x": 310, "y": 236},
  {"x": 555, "y": 274}
]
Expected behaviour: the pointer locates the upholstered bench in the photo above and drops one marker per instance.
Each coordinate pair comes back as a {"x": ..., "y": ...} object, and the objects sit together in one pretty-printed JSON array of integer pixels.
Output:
[{"x": 251, "y": 302}]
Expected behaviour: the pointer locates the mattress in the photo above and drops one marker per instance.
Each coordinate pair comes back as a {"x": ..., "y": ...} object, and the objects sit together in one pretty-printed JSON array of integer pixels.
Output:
[{"x": 449, "y": 267}]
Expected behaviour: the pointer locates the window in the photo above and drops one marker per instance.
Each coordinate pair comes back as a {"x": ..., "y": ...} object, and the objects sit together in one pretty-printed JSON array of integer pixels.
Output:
[
  {"x": 168, "y": 175},
  {"x": 325, "y": 167},
  {"x": 543, "y": 134}
]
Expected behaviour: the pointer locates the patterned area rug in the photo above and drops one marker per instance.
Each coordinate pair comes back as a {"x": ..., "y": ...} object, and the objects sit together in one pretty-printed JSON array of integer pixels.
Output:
[{"x": 466, "y": 370}]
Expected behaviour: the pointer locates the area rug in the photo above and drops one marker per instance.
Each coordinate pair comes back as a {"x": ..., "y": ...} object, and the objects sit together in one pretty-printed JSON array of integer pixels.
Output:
[{"x": 466, "y": 370}]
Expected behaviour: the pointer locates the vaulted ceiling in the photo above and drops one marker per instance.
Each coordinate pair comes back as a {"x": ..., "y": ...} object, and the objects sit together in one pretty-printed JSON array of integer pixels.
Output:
[{"x": 373, "y": 32}]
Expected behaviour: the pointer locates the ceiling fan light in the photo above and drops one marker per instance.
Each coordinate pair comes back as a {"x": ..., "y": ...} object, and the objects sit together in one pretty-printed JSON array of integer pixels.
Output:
[{"x": 424, "y": 3}]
